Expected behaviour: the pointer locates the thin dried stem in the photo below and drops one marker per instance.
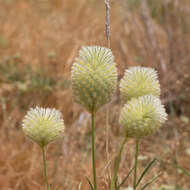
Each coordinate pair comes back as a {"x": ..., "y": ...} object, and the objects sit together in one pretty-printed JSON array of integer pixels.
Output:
[{"x": 107, "y": 31}]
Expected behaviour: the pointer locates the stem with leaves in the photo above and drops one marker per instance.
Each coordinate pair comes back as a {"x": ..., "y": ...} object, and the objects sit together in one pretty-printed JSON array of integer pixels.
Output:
[{"x": 116, "y": 164}]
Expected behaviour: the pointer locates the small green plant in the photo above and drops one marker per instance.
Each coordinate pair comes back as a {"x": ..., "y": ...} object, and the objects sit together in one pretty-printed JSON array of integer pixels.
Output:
[
  {"x": 94, "y": 80},
  {"x": 15, "y": 72},
  {"x": 10, "y": 71},
  {"x": 24, "y": 80},
  {"x": 43, "y": 126}
]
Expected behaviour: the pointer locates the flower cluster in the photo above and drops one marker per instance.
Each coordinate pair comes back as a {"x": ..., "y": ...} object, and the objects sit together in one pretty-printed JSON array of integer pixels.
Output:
[
  {"x": 143, "y": 112},
  {"x": 43, "y": 125},
  {"x": 94, "y": 80},
  {"x": 94, "y": 77}
]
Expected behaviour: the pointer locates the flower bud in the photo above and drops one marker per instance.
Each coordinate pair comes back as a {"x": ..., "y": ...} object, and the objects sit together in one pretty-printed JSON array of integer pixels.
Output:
[
  {"x": 94, "y": 77},
  {"x": 139, "y": 81},
  {"x": 43, "y": 125},
  {"x": 142, "y": 116}
]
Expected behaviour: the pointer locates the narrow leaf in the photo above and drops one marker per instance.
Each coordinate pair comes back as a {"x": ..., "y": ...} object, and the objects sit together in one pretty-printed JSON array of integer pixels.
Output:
[
  {"x": 145, "y": 171},
  {"x": 116, "y": 186},
  {"x": 91, "y": 186},
  {"x": 124, "y": 180},
  {"x": 150, "y": 182}
]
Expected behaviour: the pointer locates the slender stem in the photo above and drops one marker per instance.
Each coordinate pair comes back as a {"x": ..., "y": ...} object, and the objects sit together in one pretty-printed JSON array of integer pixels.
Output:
[
  {"x": 93, "y": 151},
  {"x": 107, "y": 141},
  {"x": 117, "y": 162},
  {"x": 107, "y": 32},
  {"x": 107, "y": 4},
  {"x": 136, "y": 162},
  {"x": 45, "y": 170}
]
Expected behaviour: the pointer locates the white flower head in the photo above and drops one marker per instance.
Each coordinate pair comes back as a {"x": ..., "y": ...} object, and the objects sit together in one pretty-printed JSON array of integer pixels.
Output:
[
  {"x": 139, "y": 81},
  {"x": 94, "y": 77},
  {"x": 142, "y": 116},
  {"x": 43, "y": 125}
]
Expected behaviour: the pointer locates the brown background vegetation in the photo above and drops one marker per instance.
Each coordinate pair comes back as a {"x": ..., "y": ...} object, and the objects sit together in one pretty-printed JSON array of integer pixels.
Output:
[{"x": 39, "y": 40}]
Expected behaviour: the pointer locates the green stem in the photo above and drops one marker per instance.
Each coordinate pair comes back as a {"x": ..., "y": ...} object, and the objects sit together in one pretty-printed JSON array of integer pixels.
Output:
[
  {"x": 93, "y": 151},
  {"x": 116, "y": 164},
  {"x": 45, "y": 170},
  {"x": 107, "y": 140},
  {"x": 136, "y": 162}
]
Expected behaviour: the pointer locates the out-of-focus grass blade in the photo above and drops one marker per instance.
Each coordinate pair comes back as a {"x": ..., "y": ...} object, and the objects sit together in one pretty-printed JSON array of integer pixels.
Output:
[
  {"x": 116, "y": 186},
  {"x": 145, "y": 171},
  {"x": 125, "y": 179},
  {"x": 182, "y": 169},
  {"x": 52, "y": 188},
  {"x": 80, "y": 184},
  {"x": 91, "y": 186},
  {"x": 150, "y": 182}
]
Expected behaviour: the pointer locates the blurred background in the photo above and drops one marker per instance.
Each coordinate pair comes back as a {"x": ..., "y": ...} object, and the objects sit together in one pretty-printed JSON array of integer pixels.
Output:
[{"x": 39, "y": 40}]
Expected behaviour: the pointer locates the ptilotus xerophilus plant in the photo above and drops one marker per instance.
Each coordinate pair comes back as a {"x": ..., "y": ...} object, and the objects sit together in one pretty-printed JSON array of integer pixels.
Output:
[
  {"x": 139, "y": 118},
  {"x": 94, "y": 80},
  {"x": 143, "y": 113},
  {"x": 43, "y": 125},
  {"x": 139, "y": 81}
]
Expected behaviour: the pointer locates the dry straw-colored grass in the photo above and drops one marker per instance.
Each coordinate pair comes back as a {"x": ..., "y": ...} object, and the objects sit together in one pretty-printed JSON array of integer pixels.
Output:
[{"x": 48, "y": 34}]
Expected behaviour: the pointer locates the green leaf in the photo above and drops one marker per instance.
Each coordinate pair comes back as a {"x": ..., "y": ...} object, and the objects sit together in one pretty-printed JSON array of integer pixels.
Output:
[
  {"x": 150, "y": 182},
  {"x": 91, "y": 186},
  {"x": 124, "y": 180},
  {"x": 145, "y": 171}
]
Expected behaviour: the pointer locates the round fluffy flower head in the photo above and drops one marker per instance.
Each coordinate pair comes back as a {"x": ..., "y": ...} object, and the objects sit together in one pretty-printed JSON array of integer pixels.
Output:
[
  {"x": 43, "y": 125},
  {"x": 139, "y": 81},
  {"x": 94, "y": 77},
  {"x": 142, "y": 116}
]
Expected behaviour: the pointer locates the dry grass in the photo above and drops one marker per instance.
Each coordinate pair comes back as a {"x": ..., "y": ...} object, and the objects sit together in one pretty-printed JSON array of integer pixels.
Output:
[{"x": 47, "y": 36}]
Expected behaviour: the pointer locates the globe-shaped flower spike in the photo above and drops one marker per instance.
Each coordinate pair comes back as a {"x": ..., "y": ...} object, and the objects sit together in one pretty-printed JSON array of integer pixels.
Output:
[
  {"x": 43, "y": 125},
  {"x": 142, "y": 116},
  {"x": 94, "y": 77},
  {"x": 139, "y": 81}
]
